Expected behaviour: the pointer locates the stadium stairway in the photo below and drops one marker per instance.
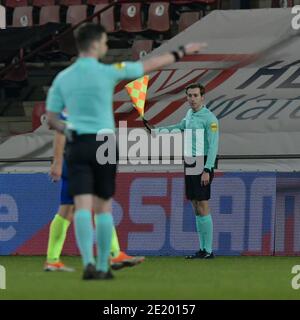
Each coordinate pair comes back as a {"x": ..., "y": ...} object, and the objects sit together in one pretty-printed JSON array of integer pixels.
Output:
[
  {"x": 16, "y": 105},
  {"x": 18, "y": 100}
]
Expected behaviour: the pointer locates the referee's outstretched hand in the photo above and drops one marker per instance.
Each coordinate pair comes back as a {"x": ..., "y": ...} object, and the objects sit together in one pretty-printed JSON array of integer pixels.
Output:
[
  {"x": 194, "y": 47},
  {"x": 165, "y": 59}
]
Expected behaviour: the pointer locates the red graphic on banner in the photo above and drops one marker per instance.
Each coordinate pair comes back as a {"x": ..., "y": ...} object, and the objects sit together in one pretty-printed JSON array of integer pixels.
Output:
[{"x": 187, "y": 76}]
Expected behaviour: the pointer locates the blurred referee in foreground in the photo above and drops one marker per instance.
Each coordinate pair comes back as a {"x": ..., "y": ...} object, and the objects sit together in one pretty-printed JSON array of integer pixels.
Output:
[
  {"x": 86, "y": 89},
  {"x": 197, "y": 186}
]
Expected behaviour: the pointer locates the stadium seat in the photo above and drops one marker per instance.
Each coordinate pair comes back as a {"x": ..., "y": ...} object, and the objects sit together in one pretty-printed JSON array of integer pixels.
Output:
[
  {"x": 186, "y": 19},
  {"x": 107, "y": 18},
  {"x": 180, "y": 1},
  {"x": 131, "y": 17},
  {"x": 22, "y": 17},
  {"x": 39, "y": 110},
  {"x": 76, "y": 14},
  {"x": 159, "y": 18},
  {"x": 282, "y": 4},
  {"x": 16, "y": 3},
  {"x": 95, "y": 2},
  {"x": 140, "y": 48},
  {"x": 70, "y": 2},
  {"x": 43, "y": 3},
  {"x": 49, "y": 14},
  {"x": 204, "y": 1},
  {"x": 187, "y": 2}
]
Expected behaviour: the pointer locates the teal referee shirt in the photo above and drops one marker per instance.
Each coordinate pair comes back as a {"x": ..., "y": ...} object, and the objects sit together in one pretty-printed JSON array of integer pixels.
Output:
[
  {"x": 86, "y": 89},
  {"x": 202, "y": 119}
]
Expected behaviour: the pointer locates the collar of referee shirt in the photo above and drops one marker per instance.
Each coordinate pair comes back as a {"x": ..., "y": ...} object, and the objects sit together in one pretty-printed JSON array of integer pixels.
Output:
[
  {"x": 200, "y": 110},
  {"x": 87, "y": 59}
]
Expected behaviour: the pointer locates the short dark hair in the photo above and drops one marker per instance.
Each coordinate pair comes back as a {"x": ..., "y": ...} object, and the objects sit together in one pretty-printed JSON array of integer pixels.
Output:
[
  {"x": 87, "y": 33},
  {"x": 194, "y": 86}
]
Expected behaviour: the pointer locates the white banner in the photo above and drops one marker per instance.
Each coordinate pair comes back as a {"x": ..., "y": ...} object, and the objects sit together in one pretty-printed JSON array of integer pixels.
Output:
[
  {"x": 2, "y": 17},
  {"x": 251, "y": 71}
]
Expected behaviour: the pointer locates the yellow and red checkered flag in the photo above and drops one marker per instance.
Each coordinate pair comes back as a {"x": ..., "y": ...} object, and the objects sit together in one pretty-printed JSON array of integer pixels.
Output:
[{"x": 137, "y": 91}]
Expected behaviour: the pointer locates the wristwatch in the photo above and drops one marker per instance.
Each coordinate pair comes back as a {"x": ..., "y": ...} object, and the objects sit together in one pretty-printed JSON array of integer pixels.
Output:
[{"x": 207, "y": 170}]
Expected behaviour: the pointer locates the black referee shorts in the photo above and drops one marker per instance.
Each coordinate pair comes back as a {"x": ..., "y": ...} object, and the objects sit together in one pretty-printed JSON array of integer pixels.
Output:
[
  {"x": 85, "y": 174},
  {"x": 193, "y": 188}
]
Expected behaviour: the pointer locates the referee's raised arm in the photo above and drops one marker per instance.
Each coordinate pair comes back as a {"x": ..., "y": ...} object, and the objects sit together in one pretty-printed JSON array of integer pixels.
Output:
[
  {"x": 160, "y": 61},
  {"x": 132, "y": 70}
]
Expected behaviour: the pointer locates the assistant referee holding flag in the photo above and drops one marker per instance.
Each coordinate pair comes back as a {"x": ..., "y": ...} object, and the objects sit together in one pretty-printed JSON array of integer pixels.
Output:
[
  {"x": 197, "y": 186},
  {"x": 86, "y": 89}
]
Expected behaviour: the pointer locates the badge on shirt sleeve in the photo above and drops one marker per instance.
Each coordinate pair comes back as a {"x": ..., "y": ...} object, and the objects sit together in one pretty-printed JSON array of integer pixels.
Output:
[
  {"x": 214, "y": 127},
  {"x": 120, "y": 65}
]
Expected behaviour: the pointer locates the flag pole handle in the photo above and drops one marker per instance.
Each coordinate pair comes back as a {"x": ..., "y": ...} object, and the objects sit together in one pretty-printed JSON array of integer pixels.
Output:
[{"x": 146, "y": 124}]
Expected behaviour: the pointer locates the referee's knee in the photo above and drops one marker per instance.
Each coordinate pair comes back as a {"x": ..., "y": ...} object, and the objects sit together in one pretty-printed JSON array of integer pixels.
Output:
[
  {"x": 103, "y": 203},
  {"x": 202, "y": 208}
]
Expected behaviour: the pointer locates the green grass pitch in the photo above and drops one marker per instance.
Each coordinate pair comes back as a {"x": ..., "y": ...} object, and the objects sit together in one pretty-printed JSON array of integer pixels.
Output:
[{"x": 156, "y": 278}]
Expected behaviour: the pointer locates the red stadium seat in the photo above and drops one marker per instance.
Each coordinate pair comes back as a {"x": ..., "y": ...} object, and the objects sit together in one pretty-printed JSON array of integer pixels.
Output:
[
  {"x": 43, "y": 3},
  {"x": 140, "y": 48},
  {"x": 22, "y": 17},
  {"x": 49, "y": 14},
  {"x": 186, "y": 19},
  {"x": 131, "y": 17},
  {"x": 159, "y": 18},
  {"x": 76, "y": 14},
  {"x": 70, "y": 2},
  {"x": 278, "y": 3},
  {"x": 95, "y": 2},
  {"x": 16, "y": 3},
  {"x": 191, "y": 1},
  {"x": 38, "y": 112},
  {"x": 107, "y": 18}
]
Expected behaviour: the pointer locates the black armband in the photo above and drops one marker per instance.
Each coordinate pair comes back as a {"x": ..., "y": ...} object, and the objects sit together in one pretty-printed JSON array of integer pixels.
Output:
[
  {"x": 176, "y": 55},
  {"x": 182, "y": 48},
  {"x": 207, "y": 170}
]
